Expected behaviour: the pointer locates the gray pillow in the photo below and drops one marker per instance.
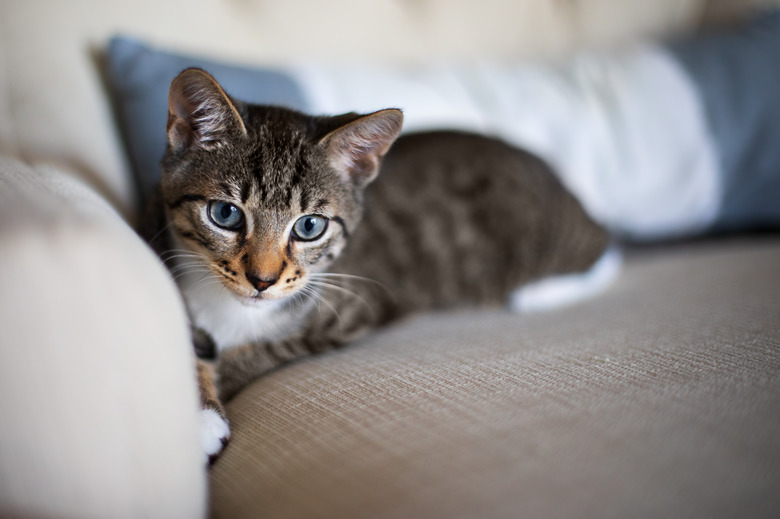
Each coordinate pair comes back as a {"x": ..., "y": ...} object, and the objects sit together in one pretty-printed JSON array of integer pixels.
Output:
[
  {"x": 139, "y": 77},
  {"x": 737, "y": 76}
]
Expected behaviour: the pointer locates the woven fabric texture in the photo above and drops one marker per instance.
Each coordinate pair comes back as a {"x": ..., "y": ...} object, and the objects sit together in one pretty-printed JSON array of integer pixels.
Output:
[{"x": 658, "y": 399}]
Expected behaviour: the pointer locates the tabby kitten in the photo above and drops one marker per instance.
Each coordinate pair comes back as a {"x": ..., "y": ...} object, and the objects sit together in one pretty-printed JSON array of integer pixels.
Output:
[{"x": 286, "y": 243}]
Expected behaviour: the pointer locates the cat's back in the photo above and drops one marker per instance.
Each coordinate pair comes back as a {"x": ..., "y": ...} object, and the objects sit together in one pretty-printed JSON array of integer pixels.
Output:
[
  {"x": 461, "y": 173},
  {"x": 456, "y": 216},
  {"x": 455, "y": 161}
]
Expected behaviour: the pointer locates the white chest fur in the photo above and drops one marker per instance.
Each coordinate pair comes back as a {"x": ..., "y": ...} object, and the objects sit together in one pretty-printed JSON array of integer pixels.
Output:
[{"x": 230, "y": 323}]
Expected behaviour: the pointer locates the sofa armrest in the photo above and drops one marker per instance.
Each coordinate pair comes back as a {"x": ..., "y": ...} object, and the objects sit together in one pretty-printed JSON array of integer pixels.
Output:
[{"x": 98, "y": 414}]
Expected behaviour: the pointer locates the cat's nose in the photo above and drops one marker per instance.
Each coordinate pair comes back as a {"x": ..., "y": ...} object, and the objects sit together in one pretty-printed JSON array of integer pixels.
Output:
[{"x": 259, "y": 283}]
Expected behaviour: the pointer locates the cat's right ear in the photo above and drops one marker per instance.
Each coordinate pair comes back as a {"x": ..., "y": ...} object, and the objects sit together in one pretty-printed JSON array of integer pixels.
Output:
[
  {"x": 200, "y": 113},
  {"x": 357, "y": 147}
]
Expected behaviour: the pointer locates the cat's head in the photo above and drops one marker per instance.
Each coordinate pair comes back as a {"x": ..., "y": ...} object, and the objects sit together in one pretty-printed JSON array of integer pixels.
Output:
[{"x": 265, "y": 196}]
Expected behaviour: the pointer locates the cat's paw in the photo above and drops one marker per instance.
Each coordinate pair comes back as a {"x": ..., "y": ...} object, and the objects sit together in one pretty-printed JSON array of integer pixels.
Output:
[{"x": 214, "y": 433}]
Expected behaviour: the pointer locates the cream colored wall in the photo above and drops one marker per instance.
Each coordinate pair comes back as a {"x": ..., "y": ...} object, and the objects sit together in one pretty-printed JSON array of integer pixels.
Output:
[
  {"x": 404, "y": 30},
  {"x": 53, "y": 108}
]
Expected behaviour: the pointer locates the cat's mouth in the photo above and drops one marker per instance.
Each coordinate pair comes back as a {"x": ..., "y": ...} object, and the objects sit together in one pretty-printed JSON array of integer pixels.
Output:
[
  {"x": 254, "y": 296},
  {"x": 258, "y": 298},
  {"x": 255, "y": 300},
  {"x": 251, "y": 299}
]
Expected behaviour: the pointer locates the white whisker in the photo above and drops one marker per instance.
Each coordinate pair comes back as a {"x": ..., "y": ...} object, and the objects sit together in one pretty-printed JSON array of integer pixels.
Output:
[
  {"x": 184, "y": 271},
  {"x": 346, "y": 276},
  {"x": 180, "y": 255},
  {"x": 159, "y": 233},
  {"x": 334, "y": 276},
  {"x": 324, "y": 284},
  {"x": 317, "y": 297},
  {"x": 180, "y": 275},
  {"x": 204, "y": 282},
  {"x": 183, "y": 251},
  {"x": 190, "y": 263}
]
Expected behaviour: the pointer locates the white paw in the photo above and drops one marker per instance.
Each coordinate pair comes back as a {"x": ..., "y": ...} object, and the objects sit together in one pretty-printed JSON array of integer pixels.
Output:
[{"x": 214, "y": 433}]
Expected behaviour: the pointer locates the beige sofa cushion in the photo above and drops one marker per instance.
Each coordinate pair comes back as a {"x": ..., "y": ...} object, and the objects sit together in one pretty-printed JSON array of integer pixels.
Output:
[
  {"x": 659, "y": 399},
  {"x": 99, "y": 407}
]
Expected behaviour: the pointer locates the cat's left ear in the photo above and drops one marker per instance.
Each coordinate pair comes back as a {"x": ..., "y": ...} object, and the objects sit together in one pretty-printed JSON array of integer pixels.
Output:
[{"x": 357, "y": 148}]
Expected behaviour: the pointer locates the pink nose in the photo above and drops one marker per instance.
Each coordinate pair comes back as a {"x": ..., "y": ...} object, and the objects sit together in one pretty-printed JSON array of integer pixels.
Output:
[{"x": 259, "y": 283}]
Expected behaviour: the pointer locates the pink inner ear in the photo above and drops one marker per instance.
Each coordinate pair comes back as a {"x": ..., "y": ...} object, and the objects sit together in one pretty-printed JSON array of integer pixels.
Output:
[
  {"x": 359, "y": 158},
  {"x": 200, "y": 113},
  {"x": 180, "y": 133},
  {"x": 358, "y": 147}
]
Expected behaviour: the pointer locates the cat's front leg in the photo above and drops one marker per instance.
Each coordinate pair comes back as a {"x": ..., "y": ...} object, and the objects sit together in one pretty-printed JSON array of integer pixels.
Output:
[
  {"x": 340, "y": 323},
  {"x": 214, "y": 428},
  {"x": 238, "y": 366}
]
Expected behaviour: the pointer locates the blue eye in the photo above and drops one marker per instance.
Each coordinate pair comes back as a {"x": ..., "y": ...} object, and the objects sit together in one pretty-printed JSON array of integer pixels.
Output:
[
  {"x": 226, "y": 215},
  {"x": 309, "y": 228}
]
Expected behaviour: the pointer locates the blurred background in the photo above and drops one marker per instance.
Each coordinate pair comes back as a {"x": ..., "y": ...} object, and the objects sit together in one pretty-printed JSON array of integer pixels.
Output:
[
  {"x": 69, "y": 100},
  {"x": 53, "y": 106}
]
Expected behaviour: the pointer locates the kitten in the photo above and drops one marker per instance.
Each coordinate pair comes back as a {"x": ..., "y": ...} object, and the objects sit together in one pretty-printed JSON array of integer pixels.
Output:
[{"x": 286, "y": 242}]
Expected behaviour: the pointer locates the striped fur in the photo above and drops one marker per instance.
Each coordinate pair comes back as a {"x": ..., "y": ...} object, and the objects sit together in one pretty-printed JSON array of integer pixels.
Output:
[{"x": 453, "y": 219}]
